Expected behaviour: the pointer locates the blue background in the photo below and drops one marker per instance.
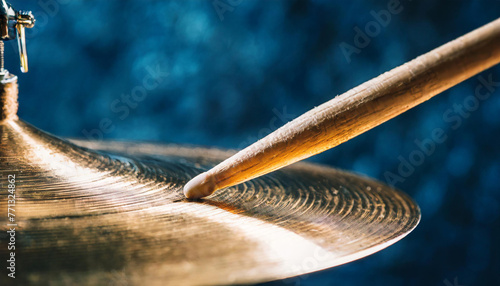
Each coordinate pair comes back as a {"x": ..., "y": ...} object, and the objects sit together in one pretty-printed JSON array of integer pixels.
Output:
[{"x": 234, "y": 78}]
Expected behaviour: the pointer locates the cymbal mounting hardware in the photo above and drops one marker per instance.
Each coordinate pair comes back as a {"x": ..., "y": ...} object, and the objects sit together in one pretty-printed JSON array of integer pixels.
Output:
[{"x": 12, "y": 26}]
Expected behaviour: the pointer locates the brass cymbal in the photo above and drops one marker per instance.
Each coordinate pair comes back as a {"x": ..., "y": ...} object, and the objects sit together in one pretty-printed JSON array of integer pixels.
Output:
[{"x": 118, "y": 215}]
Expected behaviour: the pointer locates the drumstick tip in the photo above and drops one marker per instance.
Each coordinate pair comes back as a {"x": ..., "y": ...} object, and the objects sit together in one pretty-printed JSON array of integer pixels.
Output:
[{"x": 200, "y": 186}]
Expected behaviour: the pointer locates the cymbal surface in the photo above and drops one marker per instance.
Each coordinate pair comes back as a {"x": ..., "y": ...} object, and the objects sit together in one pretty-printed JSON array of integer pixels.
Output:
[{"x": 118, "y": 215}]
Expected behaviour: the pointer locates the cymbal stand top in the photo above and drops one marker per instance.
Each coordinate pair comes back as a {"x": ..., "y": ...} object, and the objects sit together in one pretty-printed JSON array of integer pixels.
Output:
[{"x": 12, "y": 26}]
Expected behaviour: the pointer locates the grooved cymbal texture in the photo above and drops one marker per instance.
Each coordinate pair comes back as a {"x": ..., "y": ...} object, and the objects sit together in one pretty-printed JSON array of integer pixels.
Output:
[{"x": 118, "y": 215}]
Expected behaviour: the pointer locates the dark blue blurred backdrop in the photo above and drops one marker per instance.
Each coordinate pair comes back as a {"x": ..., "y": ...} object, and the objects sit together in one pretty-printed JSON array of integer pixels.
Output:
[{"x": 238, "y": 69}]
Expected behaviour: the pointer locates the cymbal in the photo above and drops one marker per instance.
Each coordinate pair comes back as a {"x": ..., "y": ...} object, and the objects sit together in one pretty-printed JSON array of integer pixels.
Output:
[{"x": 96, "y": 212}]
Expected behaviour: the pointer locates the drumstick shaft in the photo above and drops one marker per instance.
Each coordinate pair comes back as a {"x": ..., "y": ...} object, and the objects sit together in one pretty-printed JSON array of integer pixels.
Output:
[{"x": 358, "y": 110}]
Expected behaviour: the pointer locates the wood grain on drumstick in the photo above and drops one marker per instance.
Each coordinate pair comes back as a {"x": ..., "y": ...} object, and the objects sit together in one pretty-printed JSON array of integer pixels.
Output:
[{"x": 357, "y": 110}]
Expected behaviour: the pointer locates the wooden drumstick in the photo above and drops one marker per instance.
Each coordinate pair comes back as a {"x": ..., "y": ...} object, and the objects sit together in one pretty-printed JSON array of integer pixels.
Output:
[{"x": 358, "y": 110}]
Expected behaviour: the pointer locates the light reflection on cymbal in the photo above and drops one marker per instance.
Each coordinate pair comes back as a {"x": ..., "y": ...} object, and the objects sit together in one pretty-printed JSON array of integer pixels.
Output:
[{"x": 119, "y": 215}]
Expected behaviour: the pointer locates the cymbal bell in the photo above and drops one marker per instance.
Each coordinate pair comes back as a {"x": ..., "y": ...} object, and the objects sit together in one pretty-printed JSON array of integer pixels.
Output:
[{"x": 96, "y": 212}]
